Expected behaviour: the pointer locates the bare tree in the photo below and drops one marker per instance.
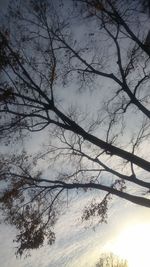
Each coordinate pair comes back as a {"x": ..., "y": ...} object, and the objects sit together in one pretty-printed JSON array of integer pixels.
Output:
[
  {"x": 43, "y": 55},
  {"x": 111, "y": 260}
]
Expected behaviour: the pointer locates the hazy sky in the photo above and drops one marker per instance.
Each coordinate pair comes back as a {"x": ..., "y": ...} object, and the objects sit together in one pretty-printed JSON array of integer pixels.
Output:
[{"x": 76, "y": 245}]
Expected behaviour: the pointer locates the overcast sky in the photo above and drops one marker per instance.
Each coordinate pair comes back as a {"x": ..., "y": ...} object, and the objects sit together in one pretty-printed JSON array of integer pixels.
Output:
[{"x": 76, "y": 245}]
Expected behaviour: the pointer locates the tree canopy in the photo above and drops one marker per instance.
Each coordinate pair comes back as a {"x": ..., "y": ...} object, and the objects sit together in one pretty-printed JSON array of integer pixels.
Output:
[{"x": 74, "y": 75}]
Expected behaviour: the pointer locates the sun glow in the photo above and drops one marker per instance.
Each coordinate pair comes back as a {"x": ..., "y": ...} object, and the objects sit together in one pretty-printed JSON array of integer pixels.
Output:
[{"x": 133, "y": 244}]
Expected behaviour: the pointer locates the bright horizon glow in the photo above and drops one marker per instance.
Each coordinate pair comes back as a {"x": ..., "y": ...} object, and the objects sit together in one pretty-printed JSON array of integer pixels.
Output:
[{"x": 133, "y": 244}]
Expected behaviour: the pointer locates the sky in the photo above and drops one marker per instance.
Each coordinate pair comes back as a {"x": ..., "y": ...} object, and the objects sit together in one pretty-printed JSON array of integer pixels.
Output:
[
  {"x": 78, "y": 244},
  {"x": 128, "y": 229}
]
